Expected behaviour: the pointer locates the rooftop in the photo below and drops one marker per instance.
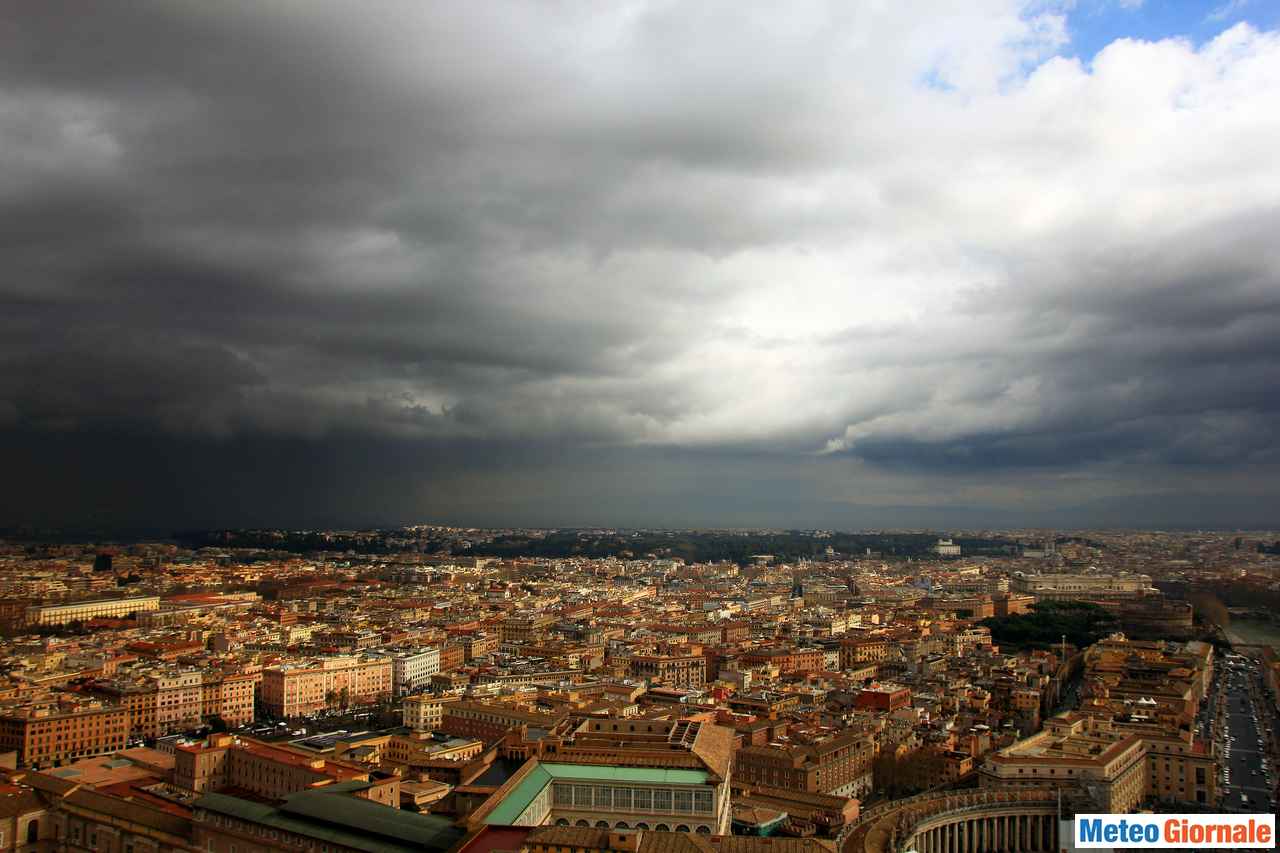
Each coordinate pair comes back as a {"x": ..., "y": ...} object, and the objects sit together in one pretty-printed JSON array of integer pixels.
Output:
[{"x": 336, "y": 817}]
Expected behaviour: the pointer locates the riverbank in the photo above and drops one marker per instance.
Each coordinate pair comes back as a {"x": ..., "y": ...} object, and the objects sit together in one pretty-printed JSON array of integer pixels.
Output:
[{"x": 1250, "y": 632}]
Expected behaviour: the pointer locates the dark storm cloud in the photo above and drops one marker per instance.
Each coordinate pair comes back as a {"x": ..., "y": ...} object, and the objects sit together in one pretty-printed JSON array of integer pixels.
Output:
[{"x": 571, "y": 237}]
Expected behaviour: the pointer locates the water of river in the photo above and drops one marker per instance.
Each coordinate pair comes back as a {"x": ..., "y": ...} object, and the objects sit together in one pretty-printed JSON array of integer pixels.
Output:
[{"x": 1254, "y": 633}]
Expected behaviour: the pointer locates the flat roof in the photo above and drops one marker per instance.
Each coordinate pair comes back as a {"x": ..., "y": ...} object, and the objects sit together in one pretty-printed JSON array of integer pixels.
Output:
[
  {"x": 543, "y": 774},
  {"x": 343, "y": 819}
]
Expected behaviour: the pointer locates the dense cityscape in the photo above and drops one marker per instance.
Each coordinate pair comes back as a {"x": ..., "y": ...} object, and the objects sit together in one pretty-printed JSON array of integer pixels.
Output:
[{"x": 407, "y": 689}]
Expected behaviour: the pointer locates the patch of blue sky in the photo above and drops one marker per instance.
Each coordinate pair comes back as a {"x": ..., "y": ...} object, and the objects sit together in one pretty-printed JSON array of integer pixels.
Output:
[{"x": 1094, "y": 24}]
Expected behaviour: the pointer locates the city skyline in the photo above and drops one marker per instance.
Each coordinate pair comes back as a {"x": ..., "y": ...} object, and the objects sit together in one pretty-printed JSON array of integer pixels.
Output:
[{"x": 837, "y": 266}]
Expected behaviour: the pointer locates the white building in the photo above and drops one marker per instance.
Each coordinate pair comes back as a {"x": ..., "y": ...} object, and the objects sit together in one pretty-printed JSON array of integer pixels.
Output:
[
  {"x": 946, "y": 548},
  {"x": 413, "y": 670}
]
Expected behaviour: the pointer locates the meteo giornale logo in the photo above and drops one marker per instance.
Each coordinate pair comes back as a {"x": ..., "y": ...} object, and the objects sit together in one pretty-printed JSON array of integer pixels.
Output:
[{"x": 1176, "y": 831}]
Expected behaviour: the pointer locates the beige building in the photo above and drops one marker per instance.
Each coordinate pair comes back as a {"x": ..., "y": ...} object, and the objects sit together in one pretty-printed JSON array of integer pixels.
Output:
[
  {"x": 1055, "y": 586},
  {"x": 526, "y": 628},
  {"x": 293, "y": 690},
  {"x": 79, "y": 611},
  {"x": 671, "y": 670},
  {"x": 1119, "y": 765},
  {"x": 266, "y": 770},
  {"x": 179, "y": 700},
  {"x": 424, "y": 712}
]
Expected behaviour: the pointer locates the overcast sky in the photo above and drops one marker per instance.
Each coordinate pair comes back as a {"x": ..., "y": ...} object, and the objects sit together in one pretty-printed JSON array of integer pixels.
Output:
[{"x": 575, "y": 263}]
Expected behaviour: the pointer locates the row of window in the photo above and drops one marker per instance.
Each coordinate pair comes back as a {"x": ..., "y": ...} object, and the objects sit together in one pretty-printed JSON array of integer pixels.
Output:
[
  {"x": 700, "y": 829},
  {"x": 678, "y": 800}
]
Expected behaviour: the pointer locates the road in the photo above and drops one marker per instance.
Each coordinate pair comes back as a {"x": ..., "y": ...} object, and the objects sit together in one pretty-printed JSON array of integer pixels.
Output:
[{"x": 1240, "y": 740}]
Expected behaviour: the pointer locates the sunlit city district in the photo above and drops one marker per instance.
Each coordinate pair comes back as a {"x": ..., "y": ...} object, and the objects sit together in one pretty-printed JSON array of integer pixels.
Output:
[{"x": 442, "y": 688}]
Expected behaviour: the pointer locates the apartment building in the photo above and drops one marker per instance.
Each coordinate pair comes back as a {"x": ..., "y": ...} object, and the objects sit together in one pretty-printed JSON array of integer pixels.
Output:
[
  {"x": 685, "y": 670},
  {"x": 179, "y": 700},
  {"x": 787, "y": 659},
  {"x": 411, "y": 671},
  {"x": 883, "y": 697},
  {"x": 490, "y": 722},
  {"x": 291, "y": 690},
  {"x": 479, "y": 646},
  {"x": 229, "y": 696},
  {"x": 526, "y": 628},
  {"x": 856, "y": 651},
  {"x": 452, "y": 656},
  {"x": 51, "y": 734},
  {"x": 168, "y": 702},
  {"x": 423, "y": 712},
  {"x": 839, "y": 765}
]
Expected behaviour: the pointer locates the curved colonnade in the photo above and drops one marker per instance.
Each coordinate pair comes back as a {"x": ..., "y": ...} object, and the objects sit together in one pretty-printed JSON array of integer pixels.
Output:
[{"x": 960, "y": 822}]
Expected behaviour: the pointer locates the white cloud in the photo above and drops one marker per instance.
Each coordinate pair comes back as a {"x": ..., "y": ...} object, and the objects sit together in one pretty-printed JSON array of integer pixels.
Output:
[{"x": 1227, "y": 10}]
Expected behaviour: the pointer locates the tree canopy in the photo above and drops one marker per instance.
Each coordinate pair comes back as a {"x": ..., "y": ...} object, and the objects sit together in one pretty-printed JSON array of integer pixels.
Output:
[{"x": 1083, "y": 624}]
